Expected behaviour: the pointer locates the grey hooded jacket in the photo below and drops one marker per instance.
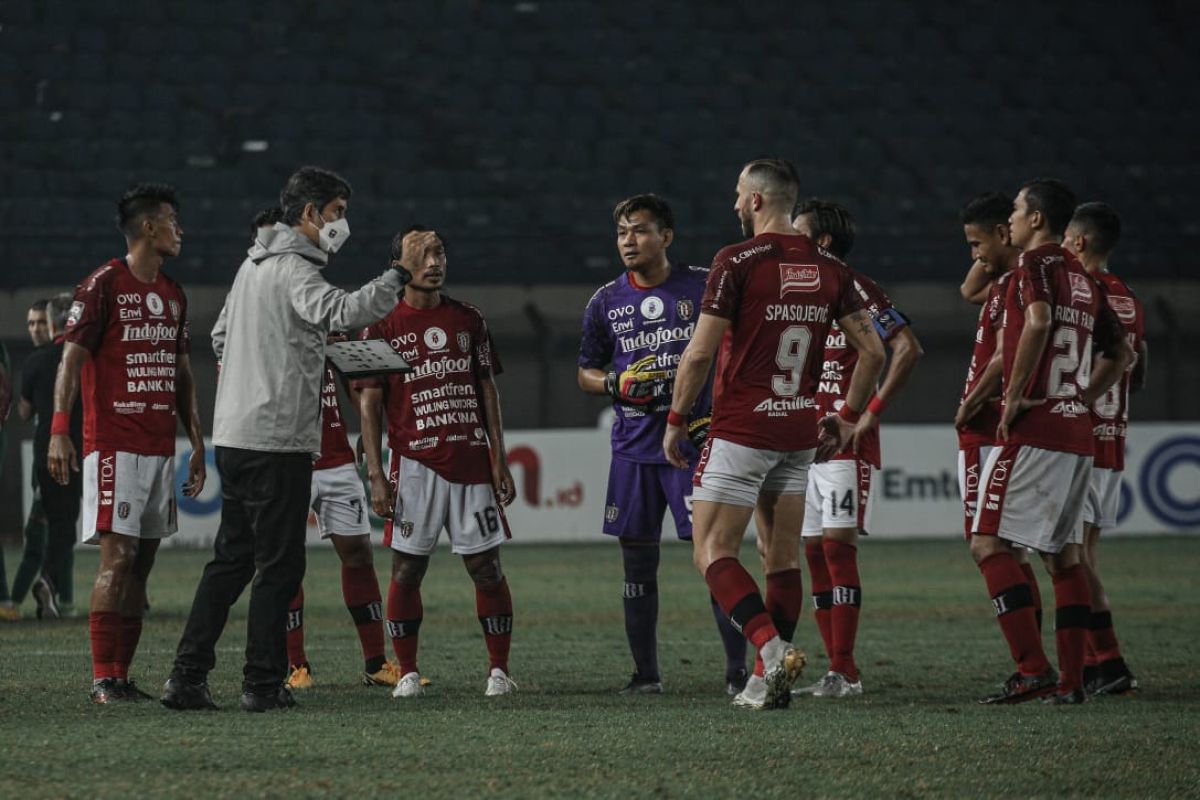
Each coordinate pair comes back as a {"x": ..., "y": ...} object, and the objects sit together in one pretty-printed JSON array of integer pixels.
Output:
[{"x": 270, "y": 340}]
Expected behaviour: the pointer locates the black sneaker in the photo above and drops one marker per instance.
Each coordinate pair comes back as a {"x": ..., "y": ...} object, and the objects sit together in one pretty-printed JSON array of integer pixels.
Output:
[
  {"x": 45, "y": 596},
  {"x": 1072, "y": 697},
  {"x": 183, "y": 695},
  {"x": 257, "y": 703},
  {"x": 1020, "y": 688},
  {"x": 639, "y": 684},
  {"x": 735, "y": 682},
  {"x": 106, "y": 691},
  {"x": 130, "y": 691},
  {"x": 1113, "y": 677},
  {"x": 1091, "y": 678}
]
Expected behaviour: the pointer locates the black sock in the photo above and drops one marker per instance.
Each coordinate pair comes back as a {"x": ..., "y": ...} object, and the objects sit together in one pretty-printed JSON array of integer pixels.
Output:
[
  {"x": 734, "y": 642},
  {"x": 641, "y": 606}
]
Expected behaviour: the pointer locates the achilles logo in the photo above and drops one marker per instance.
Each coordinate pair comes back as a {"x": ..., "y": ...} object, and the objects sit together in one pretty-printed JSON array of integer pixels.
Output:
[
  {"x": 780, "y": 408},
  {"x": 1081, "y": 287},
  {"x": 152, "y": 332},
  {"x": 798, "y": 278},
  {"x": 1069, "y": 409}
]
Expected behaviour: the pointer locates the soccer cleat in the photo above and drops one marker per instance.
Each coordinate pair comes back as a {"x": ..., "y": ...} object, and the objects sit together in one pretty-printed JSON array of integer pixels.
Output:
[
  {"x": 409, "y": 685},
  {"x": 130, "y": 691},
  {"x": 1091, "y": 678},
  {"x": 300, "y": 677},
  {"x": 9, "y": 614},
  {"x": 499, "y": 683},
  {"x": 837, "y": 685},
  {"x": 180, "y": 694},
  {"x": 780, "y": 676},
  {"x": 1073, "y": 697},
  {"x": 812, "y": 688},
  {"x": 735, "y": 682},
  {"x": 106, "y": 691},
  {"x": 1020, "y": 688},
  {"x": 754, "y": 696},
  {"x": 258, "y": 702},
  {"x": 43, "y": 592},
  {"x": 387, "y": 675},
  {"x": 642, "y": 685},
  {"x": 1113, "y": 677}
]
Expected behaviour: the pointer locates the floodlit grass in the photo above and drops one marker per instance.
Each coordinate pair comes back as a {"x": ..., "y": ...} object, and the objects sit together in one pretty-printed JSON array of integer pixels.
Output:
[{"x": 928, "y": 648}]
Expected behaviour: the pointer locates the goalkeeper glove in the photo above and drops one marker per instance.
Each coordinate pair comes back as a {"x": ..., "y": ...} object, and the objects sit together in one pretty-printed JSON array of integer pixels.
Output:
[
  {"x": 636, "y": 383},
  {"x": 697, "y": 431}
]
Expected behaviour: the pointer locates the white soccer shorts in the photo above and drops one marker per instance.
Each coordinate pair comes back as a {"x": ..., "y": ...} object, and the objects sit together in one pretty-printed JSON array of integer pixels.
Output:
[
  {"x": 735, "y": 474},
  {"x": 1033, "y": 497},
  {"x": 129, "y": 494},
  {"x": 427, "y": 503},
  {"x": 1103, "y": 498},
  {"x": 970, "y": 468},
  {"x": 339, "y": 502},
  {"x": 839, "y": 496}
]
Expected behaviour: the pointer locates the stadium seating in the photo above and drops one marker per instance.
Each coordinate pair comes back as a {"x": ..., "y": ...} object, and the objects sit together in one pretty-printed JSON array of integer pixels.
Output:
[{"x": 516, "y": 125}]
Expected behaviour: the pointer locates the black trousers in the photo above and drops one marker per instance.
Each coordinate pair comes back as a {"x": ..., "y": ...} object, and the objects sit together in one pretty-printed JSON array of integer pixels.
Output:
[
  {"x": 61, "y": 504},
  {"x": 264, "y": 514}
]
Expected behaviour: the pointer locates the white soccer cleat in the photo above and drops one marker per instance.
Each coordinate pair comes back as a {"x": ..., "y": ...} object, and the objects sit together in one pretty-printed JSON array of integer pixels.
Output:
[
  {"x": 837, "y": 685},
  {"x": 499, "y": 683},
  {"x": 813, "y": 689},
  {"x": 754, "y": 696},
  {"x": 409, "y": 686},
  {"x": 784, "y": 664}
]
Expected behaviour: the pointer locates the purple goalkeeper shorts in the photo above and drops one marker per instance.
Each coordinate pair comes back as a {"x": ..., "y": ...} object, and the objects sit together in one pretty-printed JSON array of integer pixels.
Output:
[{"x": 638, "y": 494}]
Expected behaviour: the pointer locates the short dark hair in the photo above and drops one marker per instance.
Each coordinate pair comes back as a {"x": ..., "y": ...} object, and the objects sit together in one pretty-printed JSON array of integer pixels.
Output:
[
  {"x": 315, "y": 185},
  {"x": 57, "y": 309},
  {"x": 398, "y": 240},
  {"x": 39, "y": 305},
  {"x": 140, "y": 201},
  {"x": 658, "y": 208},
  {"x": 1100, "y": 223},
  {"x": 778, "y": 174},
  {"x": 833, "y": 219},
  {"x": 987, "y": 209},
  {"x": 1054, "y": 199},
  {"x": 265, "y": 218}
]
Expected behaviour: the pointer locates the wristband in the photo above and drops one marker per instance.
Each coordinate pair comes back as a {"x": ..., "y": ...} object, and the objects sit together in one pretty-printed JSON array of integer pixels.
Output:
[
  {"x": 849, "y": 414},
  {"x": 60, "y": 424},
  {"x": 877, "y": 405},
  {"x": 675, "y": 419}
]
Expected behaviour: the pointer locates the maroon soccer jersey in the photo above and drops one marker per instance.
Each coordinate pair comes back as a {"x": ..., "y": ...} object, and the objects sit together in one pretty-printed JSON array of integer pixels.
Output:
[
  {"x": 1110, "y": 412},
  {"x": 135, "y": 332},
  {"x": 781, "y": 293},
  {"x": 1079, "y": 316},
  {"x": 433, "y": 413},
  {"x": 841, "y": 358},
  {"x": 335, "y": 446},
  {"x": 980, "y": 430}
]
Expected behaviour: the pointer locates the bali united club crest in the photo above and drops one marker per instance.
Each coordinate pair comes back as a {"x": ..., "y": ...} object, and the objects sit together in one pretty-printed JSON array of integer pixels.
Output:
[
  {"x": 123, "y": 510},
  {"x": 174, "y": 306},
  {"x": 684, "y": 308},
  {"x": 464, "y": 341}
]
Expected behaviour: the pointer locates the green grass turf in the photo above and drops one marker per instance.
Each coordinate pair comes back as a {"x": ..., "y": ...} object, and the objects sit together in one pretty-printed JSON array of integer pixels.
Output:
[{"x": 928, "y": 647}]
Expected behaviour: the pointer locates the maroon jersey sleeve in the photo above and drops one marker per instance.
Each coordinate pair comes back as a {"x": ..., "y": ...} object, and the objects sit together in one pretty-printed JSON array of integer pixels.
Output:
[
  {"x": 484, "y": 362},
  {"x": 184, "y": 344},
  {"x": 723, "y": 291},
  {"x": 1108, "y": 333},
  {"x": 89, "y": 314},
  {"x": 1035, "y": 285}
]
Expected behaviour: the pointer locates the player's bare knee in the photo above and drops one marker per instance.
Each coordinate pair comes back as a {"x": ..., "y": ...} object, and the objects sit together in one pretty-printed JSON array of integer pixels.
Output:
[
  {"x": 354, "y": 551},
  {"x": 409, "y": 570},
  {"x": 983, "y": 547},
  {"x": 484, "y": 568}
]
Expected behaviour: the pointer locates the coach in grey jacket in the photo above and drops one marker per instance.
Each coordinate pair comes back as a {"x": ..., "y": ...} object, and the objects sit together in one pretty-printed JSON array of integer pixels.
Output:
[{"x": 270, "y": 339}]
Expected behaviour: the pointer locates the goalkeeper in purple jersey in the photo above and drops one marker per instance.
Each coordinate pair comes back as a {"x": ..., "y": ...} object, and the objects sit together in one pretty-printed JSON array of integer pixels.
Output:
[{"x": 635, "y": 329}]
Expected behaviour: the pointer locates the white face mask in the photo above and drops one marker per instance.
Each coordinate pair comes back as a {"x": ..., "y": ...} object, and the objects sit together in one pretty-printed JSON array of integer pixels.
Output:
[{"x": 334, "y": 235}]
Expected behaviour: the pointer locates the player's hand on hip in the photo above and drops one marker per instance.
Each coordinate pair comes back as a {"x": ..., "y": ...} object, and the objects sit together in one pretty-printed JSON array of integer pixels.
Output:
[
  {"x": 197, "y": 474},
  {"x": 833, "y": 433},
  {"x": 672, "y": 439},
  {"x": 502, "y": 483},
  {"x": 383, "y": 502},
  {"x": 866, "y": 423},
  {"x": 61, "y": 459},
  {"x": 1012, "y": 410}
]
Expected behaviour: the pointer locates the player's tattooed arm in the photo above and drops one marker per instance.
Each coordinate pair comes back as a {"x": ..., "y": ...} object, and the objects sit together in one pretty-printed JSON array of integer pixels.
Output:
[
  {"x": 977, "y": 284},
  {"x": 502, "y": 480},
  {"x": 1035, "y": 334},
  {"x": 189, "y": 416},
  {"x": 370, "y": 411},
  {"x": 906, "y": 352},
  {"x": 62, "y": 459},
  {"x": 694, "y": 367}
]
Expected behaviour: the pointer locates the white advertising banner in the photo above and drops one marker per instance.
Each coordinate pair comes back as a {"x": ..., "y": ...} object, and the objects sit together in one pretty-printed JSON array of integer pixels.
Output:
[{"x": 561, "y": 477}]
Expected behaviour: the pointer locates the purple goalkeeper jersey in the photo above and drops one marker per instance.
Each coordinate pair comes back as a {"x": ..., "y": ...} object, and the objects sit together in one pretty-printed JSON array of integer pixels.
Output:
[{"x": 625, "y": 322}]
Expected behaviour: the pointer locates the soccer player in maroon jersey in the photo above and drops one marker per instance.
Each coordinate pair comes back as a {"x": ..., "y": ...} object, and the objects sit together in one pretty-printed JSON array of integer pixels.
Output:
[
  {"x": 778, "y": 294},
  {"x": 1036, "y": 479},
  {"x": 127, "y": 334},
  {"x": 448, "y": 464},
  {"x": 1092, "y": 236},
  {"x": 838, "y": 501}
]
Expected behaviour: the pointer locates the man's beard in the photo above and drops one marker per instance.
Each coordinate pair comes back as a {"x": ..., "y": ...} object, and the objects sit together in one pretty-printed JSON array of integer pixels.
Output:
[{"x": 747, "y": 226}]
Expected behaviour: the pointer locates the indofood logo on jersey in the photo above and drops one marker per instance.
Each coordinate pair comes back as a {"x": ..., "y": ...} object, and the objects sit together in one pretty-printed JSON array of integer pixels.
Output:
[
  {"x": 152, "y": 332},
  {"x": 1081, "y": 287},
  {"x": 652, "y": 340},
  {"x": 798, "y": 278},
  {"x": 1124, "y": 307},
  {"x": 438, "y": 369},
  {"x": 779, "y": 407}
]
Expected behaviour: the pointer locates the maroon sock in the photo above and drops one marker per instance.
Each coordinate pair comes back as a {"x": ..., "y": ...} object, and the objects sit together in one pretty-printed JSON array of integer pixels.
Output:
[
  {"x": 360, "y": 590},
  {"x": 1031, "y": 578},
  {"x": 493, "y": 604},
  {"x": 128, "y": 635},
  {"x": 1102, "y": 639},
  {"x": 822, "y": 590},
  {"x": 103, "y": 629},
  {"x": 785, "y": 598},
  {"x": 842, "y": 559},
  {"x": 295, "y": 630},
  {"x": 1072, "y": 611},
  {"x": 1012, "y": 601},
  {"x": 736, "y": 592},
  {"x": 404, "y": 613}
]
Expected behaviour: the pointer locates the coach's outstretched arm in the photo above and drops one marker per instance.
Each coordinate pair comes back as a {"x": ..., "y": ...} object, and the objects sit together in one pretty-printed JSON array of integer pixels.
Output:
[
  {"x": 845, "y": 427},
  {"x": 370, "y": 411},
  {"x": 319, "y": 302},
  {"x": 694, "y": 366},
  {"x": 61, "y": 459},
  {"x": 189, "y": 416}
]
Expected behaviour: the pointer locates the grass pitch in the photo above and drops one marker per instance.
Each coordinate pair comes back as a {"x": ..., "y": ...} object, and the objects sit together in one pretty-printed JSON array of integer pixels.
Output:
[{"x": 928, "y": 647}]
